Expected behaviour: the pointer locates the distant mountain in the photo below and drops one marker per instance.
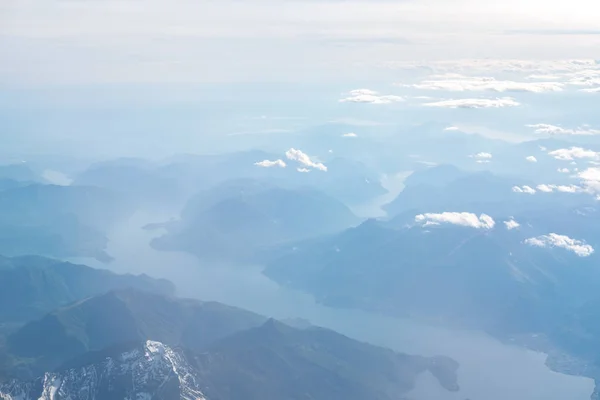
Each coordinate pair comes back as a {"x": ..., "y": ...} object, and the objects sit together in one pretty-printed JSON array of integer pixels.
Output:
[
  {"x": 446, "y": 188},
  {"x": 436, "y": 176},
  {"x": 488, "y": 279},
  {"x": 123, "y": 316},
  {"x": 140, "y": 181},
  {"x": 233, "y": 220},
  {"x": 151, "y": 370},
  {"x": 31, "y": 286},
  {"x": 269, "y": 362},
  {"x": 167, "y": 183},
  {"x": 60, "y": 221},
  {"x": 18, "y": 172}
]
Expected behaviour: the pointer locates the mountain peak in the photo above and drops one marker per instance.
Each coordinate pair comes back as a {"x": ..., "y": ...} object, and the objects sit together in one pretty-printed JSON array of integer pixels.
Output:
[{"x": 149, "y": 370}]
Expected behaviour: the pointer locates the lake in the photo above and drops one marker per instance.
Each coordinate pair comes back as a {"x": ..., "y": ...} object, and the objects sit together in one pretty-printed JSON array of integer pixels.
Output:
[{"x": 489, "y": 370}]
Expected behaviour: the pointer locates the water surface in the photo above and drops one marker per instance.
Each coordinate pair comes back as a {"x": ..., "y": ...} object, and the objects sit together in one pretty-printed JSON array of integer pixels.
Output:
[{"x": 489, "y": 370}]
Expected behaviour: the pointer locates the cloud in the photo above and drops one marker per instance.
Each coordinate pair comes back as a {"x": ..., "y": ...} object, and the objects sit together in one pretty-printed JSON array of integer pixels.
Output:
[
  {"x": 558, "y": 130},
  {"x": 511, "y": 224},
  {"x": 304, "y": 159},
  {"x": 523, "y": 189},
  {"x": 531, "y": 159},
  {"x": 303, "y": 170},
  {"x": 591, "y": 90},
  {"x": 369, "y": 96},
  {"x": 564, "y": 170},
  {"x": 269, "y": 163},
  {"x": 461, "y": 83},
  {"x": 350, "y": 135},
  {"x": 451, "y": 128},
  {"x": 544, "y": 188},
  {"x": 578, "y": 247},
  {"x": 484, "y": 221},
  {"x": 568, "y": 188},
  {"x": 530, "y": 66},
  {"x": 482, "y": 155},
  {"x": 559, "y": 188},
  {"x": 574, "y": 153},
  {"x": 475, "y": 103},
  {"x": 590, "y": 179}
]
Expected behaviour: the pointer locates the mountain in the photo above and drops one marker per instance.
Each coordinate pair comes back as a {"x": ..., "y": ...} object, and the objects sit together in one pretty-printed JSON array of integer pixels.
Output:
[
  {"x": 233, "y": 220},
  {"x": 437, "y": 176},
  {"x": 268, "y": 362},
  {"x": 116, "y": 317},
  {"x": 483, "y": 278},
  {"x": 166, "y": 184},
  {"x": 445, "y": 188},
  {"x": 18, "y": 172},
  {"x": 275, "y": 361},
  {"x": 151, "y": 370},
  {"x": 140, "y": 181},
  {"x": 59, "y": 221},
  {"x": 31, "y": 286}
]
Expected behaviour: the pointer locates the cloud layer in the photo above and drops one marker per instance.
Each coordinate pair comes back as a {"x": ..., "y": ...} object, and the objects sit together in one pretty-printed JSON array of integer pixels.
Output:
[
  {"x": 523, "y": 189},
  {"x": 269, "y": 163},
  {"x": 484, "y": 221},
  {"x": 578, "y": 247},
  {"x": 475, "y": 103},
  {"x": 461, "y": 83},
  {"x": 558, "y": 130},
  {"x": 304, "y": 159},
  {"x": 369, "y": 96},
  {"x": 574, "y": 153}
]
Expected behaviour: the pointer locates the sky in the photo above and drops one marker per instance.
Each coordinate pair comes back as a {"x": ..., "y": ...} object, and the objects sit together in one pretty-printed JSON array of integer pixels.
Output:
[
  {"x": 182, "y": 41},
  {"x": 157, "y": 76}
]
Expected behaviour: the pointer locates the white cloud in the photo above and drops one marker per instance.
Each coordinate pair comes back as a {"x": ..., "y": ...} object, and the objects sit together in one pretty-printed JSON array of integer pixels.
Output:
[
  {"x": 523, "y": 189},
  {"x": 564, "y": 170},
  {"x": 578, "y": 247},
  {"x": 475, "y": 103},
  {"x": 350, "y": 134},
  {"x": 451, "y": 128},
  {"x": 559, "y": 188},
  {"x": 544, "y": 188},
  {"x": 568, "y": 188},
  {"x": 461, "y": 83},
  {"x": 573, "y": 153},
  {"x": 531, "y": 159},
  {"x": 369, "y": 96},
  {"x": 511, "y": 224},
  {"x": 483, "y": 161},
  {"x": 591, "y": 90},
  {"x": 546, "y": 68},
  {"x": 304, "y": 170},
  {"x": 590, "y": 179},
  {"x": 484, "y": 221},
  {"x": 482, "y": 156},
  {"x": 542, "y": 77},
  {"x": 269, "y": 163},
  {"x": 304, "y": 159},
  {"x": 548, "y": 129}
]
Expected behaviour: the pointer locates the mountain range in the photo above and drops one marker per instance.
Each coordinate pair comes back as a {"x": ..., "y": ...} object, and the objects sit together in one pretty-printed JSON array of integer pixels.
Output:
[
  {"x": 130, "y": 344},
  {"x": 233, "y": 220}
]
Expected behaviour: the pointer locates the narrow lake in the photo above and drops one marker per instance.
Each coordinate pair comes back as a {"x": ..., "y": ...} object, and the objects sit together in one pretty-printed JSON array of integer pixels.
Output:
[{"x": 489, "y": 370}]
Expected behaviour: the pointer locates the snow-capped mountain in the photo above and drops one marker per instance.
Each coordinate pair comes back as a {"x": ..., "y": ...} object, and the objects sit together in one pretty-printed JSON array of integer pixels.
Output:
[{"x": 151, "y": 370}]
